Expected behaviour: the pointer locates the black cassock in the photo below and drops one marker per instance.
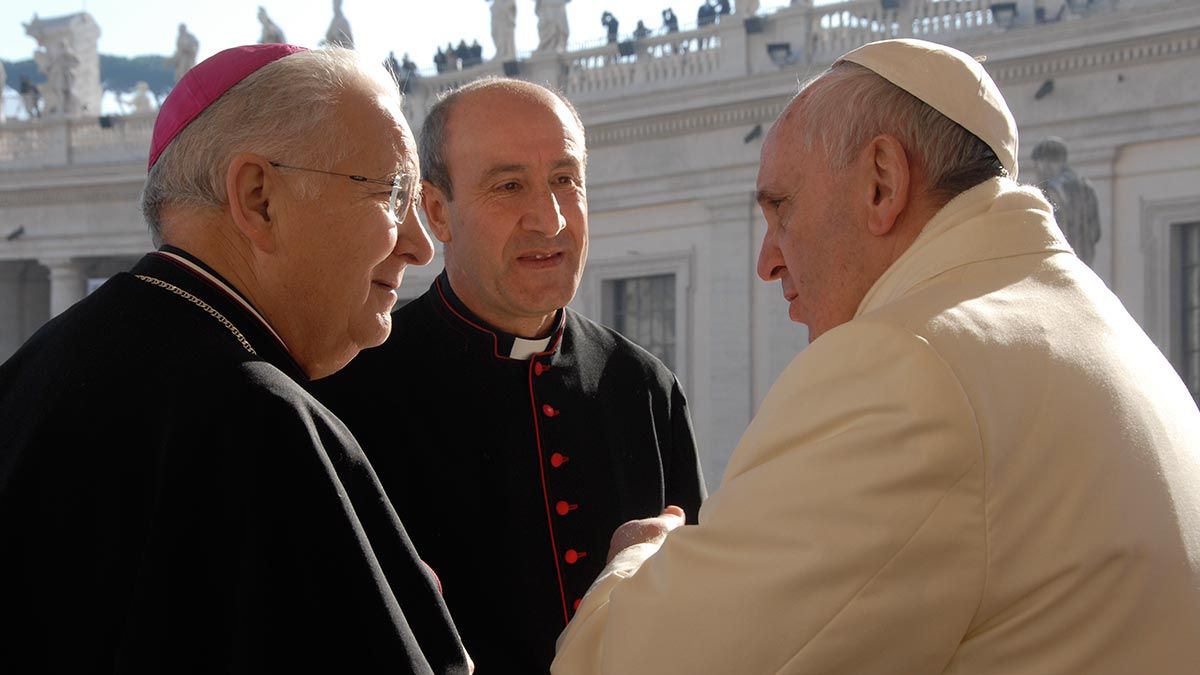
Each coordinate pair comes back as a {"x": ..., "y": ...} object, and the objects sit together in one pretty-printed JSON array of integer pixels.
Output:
[
  {"x": 171, "y": 502},
  {"x": 512, "y": 474}
]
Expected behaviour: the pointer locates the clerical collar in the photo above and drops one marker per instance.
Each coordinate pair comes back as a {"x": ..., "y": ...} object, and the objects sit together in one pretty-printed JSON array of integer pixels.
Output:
[
  {"x": 507, "y": 344},
  {"x": 199, "y": 268}
]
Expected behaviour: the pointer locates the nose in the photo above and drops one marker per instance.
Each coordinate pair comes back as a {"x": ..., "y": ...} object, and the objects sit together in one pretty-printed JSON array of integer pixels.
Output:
[
  {"x": 412, "y": 241},
  {"x": 770, "y": 259},
  {"x": 545, "y": 215}
]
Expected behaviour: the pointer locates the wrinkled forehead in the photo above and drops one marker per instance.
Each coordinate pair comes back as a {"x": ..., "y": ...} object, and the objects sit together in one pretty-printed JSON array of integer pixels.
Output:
[
  {"x": 374, "y": 123},
  {"x": 784, "y": 132},
  {"x": 530, "y": 112}
]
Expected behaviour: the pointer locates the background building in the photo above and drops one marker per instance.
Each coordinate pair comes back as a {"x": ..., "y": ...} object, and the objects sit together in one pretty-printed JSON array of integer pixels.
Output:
[{"x": 675, "y": 125}]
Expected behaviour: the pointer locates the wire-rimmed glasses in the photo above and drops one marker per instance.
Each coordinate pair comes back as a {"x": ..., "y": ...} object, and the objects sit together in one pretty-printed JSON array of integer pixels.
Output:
[{"x": 403, "y": 187}]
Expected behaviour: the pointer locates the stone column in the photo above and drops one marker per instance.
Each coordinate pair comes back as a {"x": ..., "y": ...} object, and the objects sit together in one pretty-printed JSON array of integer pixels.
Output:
[{"x": 68, "y": 284}]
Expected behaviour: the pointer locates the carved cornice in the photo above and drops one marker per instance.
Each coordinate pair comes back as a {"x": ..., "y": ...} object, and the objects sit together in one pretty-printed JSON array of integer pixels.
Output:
[
  {"x": 744, "y": 114},
  {"x": 66, "y": 194},
  {"x": 1005, "y": 71},
  {"x": 1101, "y": 57}
]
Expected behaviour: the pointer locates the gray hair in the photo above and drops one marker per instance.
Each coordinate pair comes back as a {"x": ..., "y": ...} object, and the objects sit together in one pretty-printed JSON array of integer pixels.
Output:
[
  {"x": 281, "y": 111},
  {"x": 432, "y": 144},
  {"x": 848, "y": 105}
]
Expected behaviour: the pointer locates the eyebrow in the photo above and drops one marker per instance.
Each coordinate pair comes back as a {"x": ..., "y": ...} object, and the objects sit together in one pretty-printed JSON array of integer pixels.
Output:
[
  {"x": 500, "y": 169},
  {"x": 566, "y": 162},
  {"x": 763, "y": 195}
]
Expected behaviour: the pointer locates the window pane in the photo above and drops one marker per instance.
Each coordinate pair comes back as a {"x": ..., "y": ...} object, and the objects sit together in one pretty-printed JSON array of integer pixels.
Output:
[
  {"x": 1191, "y": 243},
  {"x": 1191, "y": 283},
  {"x": 643, "y": 310}
]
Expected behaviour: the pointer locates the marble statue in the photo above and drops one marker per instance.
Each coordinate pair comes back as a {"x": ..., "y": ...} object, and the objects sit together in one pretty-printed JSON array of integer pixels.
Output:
[
  {"x": 339, "y": 34},
  {"x": 186, "y": 47},
  {"x": 504, "y": 26},
  {"x": 553, "y": 30},
  {"x": 1076, "y": 207},
  {"x": 68, "y": 60},
  {"x": 58, "y": 64},
  {"x": 271, "y": 33},
  {"x": 140, "y": 101}
]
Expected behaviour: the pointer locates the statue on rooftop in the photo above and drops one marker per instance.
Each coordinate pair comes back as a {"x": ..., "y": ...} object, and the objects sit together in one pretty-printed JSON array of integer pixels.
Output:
[
  {"x": 504, "y": 26},
  {"x": 186, "y": 48},
  {"x": 747, "y": 7},
  {"x": 553, "y": 30},
  {"x": 1076, "y": 207},
  {"x": 58, "y": 64},
  {"x": 339, "y": 34},
  {"x": 68, "y": 59},
  {"x": 140, "y": 100},
  {"x": 271, "y": 33}
]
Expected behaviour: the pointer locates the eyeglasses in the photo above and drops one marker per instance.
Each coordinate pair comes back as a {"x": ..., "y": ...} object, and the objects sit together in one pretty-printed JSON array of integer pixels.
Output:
[{"x": 404, "y": 187}]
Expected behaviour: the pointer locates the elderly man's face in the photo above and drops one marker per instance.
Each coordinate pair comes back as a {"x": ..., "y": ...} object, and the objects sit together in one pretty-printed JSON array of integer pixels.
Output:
[
  {"x": 809, "y": 246},
  {"x": 516, "y": 230},
  {"x": 343, "y": 252}
]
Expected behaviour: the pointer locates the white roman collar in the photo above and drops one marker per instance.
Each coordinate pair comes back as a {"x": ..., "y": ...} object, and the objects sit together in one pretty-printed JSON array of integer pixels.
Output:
[{"x": 522, "y": 349}]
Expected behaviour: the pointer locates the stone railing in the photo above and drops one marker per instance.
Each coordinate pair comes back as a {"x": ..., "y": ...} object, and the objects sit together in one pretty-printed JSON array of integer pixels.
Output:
[
  {"x": 797, "y": 36},
  {"x": 838, "y": 28},
  {"x": 670, "y": 57},
  {"x": 730, "y": 49},
  {"x": 961, "y": 18},
  {"x": 34, "y": 144}
]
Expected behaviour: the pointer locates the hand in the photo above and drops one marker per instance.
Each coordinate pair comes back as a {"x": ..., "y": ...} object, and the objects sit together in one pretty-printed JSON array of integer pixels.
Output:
[{"x": 645, "y": 531}]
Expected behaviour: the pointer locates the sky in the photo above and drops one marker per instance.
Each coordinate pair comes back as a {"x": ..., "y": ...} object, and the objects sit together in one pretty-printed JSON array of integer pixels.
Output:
[{"x": 138, "y": 27}]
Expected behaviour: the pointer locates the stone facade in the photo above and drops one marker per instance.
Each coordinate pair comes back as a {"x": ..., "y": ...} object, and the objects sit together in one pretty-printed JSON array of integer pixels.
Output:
[{"x": 674, "y": 133}]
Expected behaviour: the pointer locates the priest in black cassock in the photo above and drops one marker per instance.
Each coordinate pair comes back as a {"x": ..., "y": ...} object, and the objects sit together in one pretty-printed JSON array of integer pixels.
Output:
[
  {"x": 539, "y": 431},
  {"x": 171, "y": 499}
]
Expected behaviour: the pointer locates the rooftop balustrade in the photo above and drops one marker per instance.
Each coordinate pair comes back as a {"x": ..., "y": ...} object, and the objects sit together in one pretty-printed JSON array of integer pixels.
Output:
[{"x": 798, "y": 36}]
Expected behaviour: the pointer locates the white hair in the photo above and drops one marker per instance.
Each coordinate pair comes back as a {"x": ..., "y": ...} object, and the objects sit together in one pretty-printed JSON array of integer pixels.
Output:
[
  {"x": 282, "y": 111},
  {"x": 848, "y": 105}
]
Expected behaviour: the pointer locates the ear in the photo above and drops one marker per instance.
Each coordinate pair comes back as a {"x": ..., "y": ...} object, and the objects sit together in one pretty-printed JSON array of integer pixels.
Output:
[
  {"x": 437, "y": 211},
  {"x": 249, "y": 182},
  {"x": 888, "y": 183}
]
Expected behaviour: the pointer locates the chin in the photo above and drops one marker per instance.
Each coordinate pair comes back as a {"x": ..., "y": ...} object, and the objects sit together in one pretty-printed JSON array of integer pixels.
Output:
[
  {"x": 383, "y": 329},
  {"x": 550, "y": 299}
]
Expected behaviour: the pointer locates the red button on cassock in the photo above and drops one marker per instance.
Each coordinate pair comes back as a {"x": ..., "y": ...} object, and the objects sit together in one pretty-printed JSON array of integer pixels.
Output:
[
  {"x": 548, "y": 410},
  {"x": 576, "y": 605},
  {"x": 563, "y": 508},
  {"x": 539, "y": 368},
  {"x": 558, "y": 459},
  {"x": 572, "y": 556}
]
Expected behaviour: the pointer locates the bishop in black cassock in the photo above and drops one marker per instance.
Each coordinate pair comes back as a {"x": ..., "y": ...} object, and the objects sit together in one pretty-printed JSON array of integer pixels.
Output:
[
  {"x": 528, "y": 454},
  {"x": 171, "y": 498}
]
